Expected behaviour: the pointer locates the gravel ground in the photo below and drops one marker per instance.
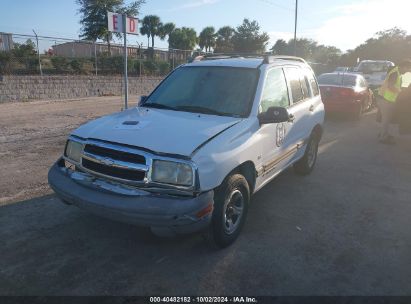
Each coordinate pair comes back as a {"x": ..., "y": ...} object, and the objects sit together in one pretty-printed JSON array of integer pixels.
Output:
[
  {"x": 344, "y": 230},
  {"x": 32, "y": 137}
]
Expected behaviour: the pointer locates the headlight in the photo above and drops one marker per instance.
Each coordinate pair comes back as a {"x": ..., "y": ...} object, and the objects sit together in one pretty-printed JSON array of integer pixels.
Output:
[
  {"x": 73, "y": 151},
  {"x": 172, "y": 173}
]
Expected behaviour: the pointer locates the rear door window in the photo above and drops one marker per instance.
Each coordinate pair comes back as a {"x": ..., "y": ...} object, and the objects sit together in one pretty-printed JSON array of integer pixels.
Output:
[
  {"x": 305, "y": 86},
  {"x": 293, "y": 77},
  {"x": 312, "y": 82}
]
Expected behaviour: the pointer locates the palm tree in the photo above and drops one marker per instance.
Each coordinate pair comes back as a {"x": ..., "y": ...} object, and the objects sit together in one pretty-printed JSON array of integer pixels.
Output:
[
  {"x": 151, "y": 27},
  {"x": 144, "y": 30},
  {"x": 207, "y": 38},
  {"x": 224, "y": 39},
  {"x": 166, "y": 29}
]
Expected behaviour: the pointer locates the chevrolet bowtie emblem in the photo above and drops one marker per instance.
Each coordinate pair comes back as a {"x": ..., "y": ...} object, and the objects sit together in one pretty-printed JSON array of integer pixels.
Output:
[{"x": 107, "y": 161}]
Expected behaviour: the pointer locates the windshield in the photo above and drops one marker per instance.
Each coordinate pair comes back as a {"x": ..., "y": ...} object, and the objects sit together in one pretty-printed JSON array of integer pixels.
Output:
[
  {"x": 373, "y": 67},
  {"x": 211, "y": 90},
  {"x": 338, "y": 80}
]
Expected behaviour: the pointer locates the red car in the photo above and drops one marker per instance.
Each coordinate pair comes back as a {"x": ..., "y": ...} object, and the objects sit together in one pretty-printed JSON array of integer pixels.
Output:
[{"x": 345, "y": 93}]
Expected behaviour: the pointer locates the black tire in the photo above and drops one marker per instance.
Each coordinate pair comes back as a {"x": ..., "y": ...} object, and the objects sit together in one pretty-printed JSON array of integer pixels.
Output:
[
  {"x": 234, "y": 188},
  {"x": 307, "y": 163}
]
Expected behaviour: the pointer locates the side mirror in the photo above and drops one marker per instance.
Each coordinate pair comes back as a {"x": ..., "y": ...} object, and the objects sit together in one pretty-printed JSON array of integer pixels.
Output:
[
  {"x": 142, "y": 100},
  {"x": 274, "y": 115}
]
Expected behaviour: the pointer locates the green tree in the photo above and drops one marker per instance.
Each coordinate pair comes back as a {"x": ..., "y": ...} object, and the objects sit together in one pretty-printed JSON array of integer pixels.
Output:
[
  {"x": 25, "y": 53},
  {"x": 308, "y": 49},
  {"x": 392, "y": 44},
  {"x": 183, "y": 39},
  {"x": 166, "y": 29},
  {"x": 94, "y": 17},
  {"x": 207, "y": 38},
  {"x": 305, "y": 48},
  {"x": 145, "y": 31},
  {"x": 248, "y": 39},
  {"x": 25, "y": 49},
  {"x": 224, "y": 43},
  {"x": 328, "y": 55},
  {"x": 280, "y": 47},
  {"x": 151, "y": 26}
]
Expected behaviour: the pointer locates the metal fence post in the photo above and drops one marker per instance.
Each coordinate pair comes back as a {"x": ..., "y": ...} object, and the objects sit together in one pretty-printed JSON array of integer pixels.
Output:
[
  {"x": 38, "y": 53},
  {"x": 95, "y": 56}
]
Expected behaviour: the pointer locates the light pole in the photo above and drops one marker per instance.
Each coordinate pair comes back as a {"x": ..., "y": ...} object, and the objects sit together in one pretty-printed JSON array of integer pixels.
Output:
[
  {"x": 295, "y": 28},
  {"x": 38, "y": 52}
]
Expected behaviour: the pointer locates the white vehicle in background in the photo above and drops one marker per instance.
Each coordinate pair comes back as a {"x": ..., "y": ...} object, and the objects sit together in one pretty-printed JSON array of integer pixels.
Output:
[
  {"x": 374, "y": 71},
  {"x": 342, "y": 69},
  {"x": 192, "y": 154}
]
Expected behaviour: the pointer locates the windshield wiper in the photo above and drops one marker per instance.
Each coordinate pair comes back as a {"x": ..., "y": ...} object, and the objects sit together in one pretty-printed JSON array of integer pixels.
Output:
[
  {"x": 158, "y": 106},
  {"x": 202, "y": 110}
]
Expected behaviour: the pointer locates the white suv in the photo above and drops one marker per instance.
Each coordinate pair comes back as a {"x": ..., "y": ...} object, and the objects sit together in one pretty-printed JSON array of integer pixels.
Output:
[
  {"x": 190, "y": 156},
  {"x": 374, "y": 71}
]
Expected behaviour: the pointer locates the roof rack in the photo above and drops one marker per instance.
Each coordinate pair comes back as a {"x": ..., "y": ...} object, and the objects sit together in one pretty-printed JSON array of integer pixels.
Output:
[
  {"x": 272, "y": 58},
  {"x": 216, "y": 56},
  {"x": 267, "y": 58}
]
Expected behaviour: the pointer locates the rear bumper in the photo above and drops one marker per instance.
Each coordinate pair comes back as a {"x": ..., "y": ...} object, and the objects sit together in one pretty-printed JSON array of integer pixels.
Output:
[
  {"x": 164, "y": 214},
  {"x": 335, "y": 107}
]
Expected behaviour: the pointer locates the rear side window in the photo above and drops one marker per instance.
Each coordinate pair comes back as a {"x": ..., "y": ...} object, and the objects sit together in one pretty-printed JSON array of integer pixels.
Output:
[
  {"x": 305, "y": 86},
  {"x": 338, "y": 80},
  {"x": 314, "y": 86},
  {"x": 293, "y": 77},
  {"x": 275, "y": 93},
  {"x": 313, "y": 83}
]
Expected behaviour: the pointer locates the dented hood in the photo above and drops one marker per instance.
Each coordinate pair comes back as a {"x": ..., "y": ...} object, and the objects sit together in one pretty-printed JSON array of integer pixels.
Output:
[{"x": 160, "y": 131}]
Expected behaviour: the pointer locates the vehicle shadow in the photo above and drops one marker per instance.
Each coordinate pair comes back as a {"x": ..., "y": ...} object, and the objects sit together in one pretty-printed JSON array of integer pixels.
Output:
[{"x": 50, "y": 248}]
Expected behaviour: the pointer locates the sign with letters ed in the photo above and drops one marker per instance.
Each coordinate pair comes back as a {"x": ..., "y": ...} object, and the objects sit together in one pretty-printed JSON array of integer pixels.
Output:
[{"x": 115, "y": 24}]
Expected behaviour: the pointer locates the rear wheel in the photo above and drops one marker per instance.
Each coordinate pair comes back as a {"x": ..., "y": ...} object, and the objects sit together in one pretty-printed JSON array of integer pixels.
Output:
[
  {"x": 306, "y": 164},
  {"x": 230, "y": 210}
]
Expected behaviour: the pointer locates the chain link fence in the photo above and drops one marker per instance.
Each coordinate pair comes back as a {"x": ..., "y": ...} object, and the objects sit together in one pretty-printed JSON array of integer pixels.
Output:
[{"x": 61, "y": 56}]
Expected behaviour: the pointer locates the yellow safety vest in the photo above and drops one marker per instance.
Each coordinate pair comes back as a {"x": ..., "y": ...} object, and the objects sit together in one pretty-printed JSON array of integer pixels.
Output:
[{"x": 385, "y": 91}]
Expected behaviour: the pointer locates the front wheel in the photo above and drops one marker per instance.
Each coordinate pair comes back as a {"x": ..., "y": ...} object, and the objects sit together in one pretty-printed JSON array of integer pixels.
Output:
[
  {"x": 230, "y": 210},
  {"x": 306, "y": 164}
]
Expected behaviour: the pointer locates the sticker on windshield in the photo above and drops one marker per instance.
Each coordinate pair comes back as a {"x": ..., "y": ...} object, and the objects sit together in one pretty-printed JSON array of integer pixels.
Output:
[{"x": 281, "y": 130}]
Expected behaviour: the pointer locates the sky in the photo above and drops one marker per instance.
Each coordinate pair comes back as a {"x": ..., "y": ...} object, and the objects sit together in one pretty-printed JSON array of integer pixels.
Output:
[{"x": 341, "y": 23}]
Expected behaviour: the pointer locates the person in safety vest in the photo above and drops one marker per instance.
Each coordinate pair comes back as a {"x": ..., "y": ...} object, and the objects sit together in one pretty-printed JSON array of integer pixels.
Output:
[{"x": 387, "y": 98}]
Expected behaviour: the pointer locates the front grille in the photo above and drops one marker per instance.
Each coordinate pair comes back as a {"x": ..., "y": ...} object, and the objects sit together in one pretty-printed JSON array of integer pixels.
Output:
[
  {"x": 126, "y": 174},
  {"x": 115, "y": 154}
]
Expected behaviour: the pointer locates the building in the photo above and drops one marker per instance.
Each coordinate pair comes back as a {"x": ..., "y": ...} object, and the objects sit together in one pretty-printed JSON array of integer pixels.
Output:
[
  {"x": 6, "y": 42},
  {"x": 89, "y": 49}
]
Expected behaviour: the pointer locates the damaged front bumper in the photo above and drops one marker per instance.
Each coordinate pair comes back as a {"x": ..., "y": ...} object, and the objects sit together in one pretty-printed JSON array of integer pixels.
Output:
[{"x": 165, "y": 214}]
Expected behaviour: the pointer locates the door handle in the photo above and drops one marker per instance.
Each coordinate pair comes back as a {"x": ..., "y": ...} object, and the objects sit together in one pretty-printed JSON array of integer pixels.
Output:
[
  {"x": 291, "y": 118},
  {"x": 312, "y": 108}
]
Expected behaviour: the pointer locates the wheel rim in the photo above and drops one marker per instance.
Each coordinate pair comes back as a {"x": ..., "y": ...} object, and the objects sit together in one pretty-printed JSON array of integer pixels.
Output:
[
  {"x": 233, "y": 211},
  {"x": 312, "y": 153}
]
